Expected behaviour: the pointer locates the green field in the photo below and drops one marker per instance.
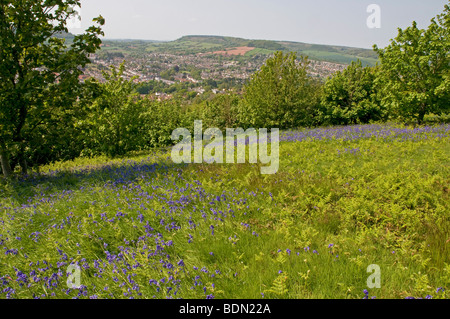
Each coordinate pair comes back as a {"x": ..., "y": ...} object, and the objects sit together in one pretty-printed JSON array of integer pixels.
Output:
[
  {"x": 260, "y": 52},
  {"x": 203, "y": 44},
  {"x": 337, "y": 57},
  {"x": 343, "y": 199}
]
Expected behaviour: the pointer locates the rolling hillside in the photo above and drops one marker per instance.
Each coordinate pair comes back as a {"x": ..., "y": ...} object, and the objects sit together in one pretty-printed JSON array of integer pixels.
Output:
[
  {"x": 194, "y": 44},
  {"x": 328, "y": 53}
]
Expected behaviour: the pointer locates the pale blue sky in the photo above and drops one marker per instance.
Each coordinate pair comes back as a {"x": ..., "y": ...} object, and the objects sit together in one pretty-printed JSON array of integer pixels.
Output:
[{"x": 338, "y": 22}]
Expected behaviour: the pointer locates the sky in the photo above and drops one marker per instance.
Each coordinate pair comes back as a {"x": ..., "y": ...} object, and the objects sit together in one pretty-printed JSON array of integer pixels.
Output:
[{"x": 333, "y": 22}]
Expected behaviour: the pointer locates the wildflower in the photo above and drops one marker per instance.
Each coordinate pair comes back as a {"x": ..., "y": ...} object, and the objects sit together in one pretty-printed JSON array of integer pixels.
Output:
[{"x": 366, "y": 293}]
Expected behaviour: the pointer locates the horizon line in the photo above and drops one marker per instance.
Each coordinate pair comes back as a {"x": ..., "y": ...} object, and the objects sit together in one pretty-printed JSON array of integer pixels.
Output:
[{"x": 225, "y": 36}]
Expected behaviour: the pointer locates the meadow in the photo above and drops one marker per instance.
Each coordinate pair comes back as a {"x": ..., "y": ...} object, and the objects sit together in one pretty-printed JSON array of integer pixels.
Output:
[{"x": 344, "y": 198}]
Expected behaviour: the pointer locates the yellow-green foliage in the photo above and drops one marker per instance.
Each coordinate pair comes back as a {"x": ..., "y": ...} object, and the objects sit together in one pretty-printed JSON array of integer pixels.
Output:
[{"x": 143, "y": 227}]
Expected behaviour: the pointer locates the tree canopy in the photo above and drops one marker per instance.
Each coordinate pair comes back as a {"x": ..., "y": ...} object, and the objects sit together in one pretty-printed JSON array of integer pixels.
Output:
[
  {"x": 351, "y": 96},
  {"x": 281, "y": 94},
  {"x": 415, "y": 68},
  {"x": 39, "y": 71}
]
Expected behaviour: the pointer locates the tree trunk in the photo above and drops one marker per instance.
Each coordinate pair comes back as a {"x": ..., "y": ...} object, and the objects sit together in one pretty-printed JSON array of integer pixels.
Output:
[
  {"x": 23, "y": 162},
  {"x": 422, "y": 113},
  {"x": 4, "y": 159},
  {"x": 420, "y": 118},
  {"x": 23, "y": 166}
]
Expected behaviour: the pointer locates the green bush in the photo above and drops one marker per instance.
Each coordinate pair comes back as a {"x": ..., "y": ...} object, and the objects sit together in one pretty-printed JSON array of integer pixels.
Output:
[
  {"x": 351, "y": 97},
  {"x": 113, "y": 123},
  {"x": 280, "y": 95}
]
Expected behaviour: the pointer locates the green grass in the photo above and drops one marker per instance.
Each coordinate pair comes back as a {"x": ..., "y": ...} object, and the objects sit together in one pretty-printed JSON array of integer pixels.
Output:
[
  {"x": 197, "y": 44},
  {"x": 378, "y": 201},
  {"x": 260, "y": 52},
  {"x": 338, "y": 57}
]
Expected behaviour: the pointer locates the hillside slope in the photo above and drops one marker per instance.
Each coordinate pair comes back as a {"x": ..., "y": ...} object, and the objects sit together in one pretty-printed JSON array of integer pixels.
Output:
[{"x": 329, "y": 53}]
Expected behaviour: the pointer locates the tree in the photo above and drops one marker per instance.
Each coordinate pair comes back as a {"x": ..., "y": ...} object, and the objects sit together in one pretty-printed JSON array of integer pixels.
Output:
[
  {"x": 196, "y": 74},
  {"x": 415, "y": 68},
  {"x": 38, "y": 71},
  {"x": 160, "y": 119},
  {"x": 280, "y": 94},
  {"x": 113, "y": 122},
  {"x": 351, "y": 96},
  {"x": 221, "y": 111}
]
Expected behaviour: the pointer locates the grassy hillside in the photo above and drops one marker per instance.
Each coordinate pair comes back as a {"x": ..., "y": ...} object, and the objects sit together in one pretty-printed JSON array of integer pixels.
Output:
[
  {"x": 333, "y": 53},
  {"x": 328, "y": 53},
  {"x": 343, "y": 199},
  {"x": 203, "y": 44}
]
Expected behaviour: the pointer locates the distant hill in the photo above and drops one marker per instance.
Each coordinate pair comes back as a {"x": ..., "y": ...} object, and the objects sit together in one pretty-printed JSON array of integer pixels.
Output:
[
  {"x": 64, "y": 35},
  {"x": 195, "y": 44},
  {"x": 330, "y": 53}
]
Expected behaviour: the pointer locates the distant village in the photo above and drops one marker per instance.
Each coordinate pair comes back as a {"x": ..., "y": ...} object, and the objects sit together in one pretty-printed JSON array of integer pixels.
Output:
[{"x": 195, "y": 69}]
